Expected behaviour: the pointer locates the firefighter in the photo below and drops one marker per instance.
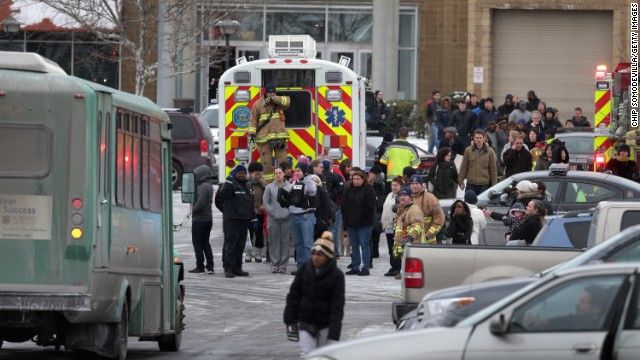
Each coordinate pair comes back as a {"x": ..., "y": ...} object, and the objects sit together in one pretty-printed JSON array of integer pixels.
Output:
[
  {"x": 430, "y": 206},
  {"x": 409, "y": 223},
  {"x": 267, "y": 129}
]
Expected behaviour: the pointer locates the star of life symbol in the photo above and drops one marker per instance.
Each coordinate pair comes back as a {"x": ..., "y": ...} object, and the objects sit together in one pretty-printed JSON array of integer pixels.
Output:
[{"x": 335, "y": 117}]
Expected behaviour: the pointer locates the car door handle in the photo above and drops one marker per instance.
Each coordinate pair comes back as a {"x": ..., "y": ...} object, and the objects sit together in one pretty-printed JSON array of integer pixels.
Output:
[{"x": 583, "y": 348}]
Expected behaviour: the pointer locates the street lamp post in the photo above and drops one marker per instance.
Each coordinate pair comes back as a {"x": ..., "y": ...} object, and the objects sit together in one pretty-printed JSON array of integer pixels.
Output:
[
  {"x": 227, "y": 27},
  {"x": 11, "y": 26}
]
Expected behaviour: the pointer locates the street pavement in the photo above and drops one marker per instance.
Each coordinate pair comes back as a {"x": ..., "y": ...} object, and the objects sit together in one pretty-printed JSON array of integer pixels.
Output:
[{"x": 241, "y": 318}]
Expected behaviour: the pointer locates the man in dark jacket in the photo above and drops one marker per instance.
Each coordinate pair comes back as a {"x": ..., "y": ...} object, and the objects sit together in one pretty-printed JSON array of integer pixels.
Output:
[
  {"x": 517, "y": 159},
  {"x": 506, "y": 108},
  {"x": 622, "y": 166},
  {"x": 237, "y": 216},
  {"x": 315, "y": 302},
  {"x": 202, "y": 219},
  {"x": 487, "y": 114},
  {"x": 578, "y": 119},
  {"x": 453, "y": 142},
  {"x": 463, "y": 120}
]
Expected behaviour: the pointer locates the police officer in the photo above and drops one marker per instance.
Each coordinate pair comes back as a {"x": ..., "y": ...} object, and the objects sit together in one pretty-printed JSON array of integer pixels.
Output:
[
  {"x": 267, "y": 129},
  {"x": 237, "y": 216},
  {"x": 302, "y": 208}
]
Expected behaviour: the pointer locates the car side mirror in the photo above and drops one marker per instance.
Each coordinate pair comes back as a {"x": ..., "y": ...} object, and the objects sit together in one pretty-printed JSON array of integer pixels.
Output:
[
  {"x": 504, "y": 199},
  {"x": 188, "y": 191},
  {"x": 498, "y": 325}
]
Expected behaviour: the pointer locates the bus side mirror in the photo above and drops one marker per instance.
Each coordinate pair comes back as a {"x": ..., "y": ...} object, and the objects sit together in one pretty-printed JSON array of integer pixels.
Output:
[{"x": 188, "y": 191}]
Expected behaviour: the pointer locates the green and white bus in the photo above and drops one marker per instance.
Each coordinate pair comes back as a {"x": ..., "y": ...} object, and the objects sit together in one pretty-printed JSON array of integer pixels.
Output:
[{"x": 86, "y": 243}]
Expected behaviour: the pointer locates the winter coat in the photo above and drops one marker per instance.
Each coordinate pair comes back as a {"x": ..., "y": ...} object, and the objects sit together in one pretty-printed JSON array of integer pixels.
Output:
[
  {"x": 387, "y": 211},
  {"x": 358, "y": 206},
  {"x": 486, "y": 116},
  {"x": 409, "y": 222},
  {"x": 444, "y": 176},
  {"x": 460, "y": 229},
  {"x": 479, "y": 168},
  {"x": 257, "y": 189},
  {"x": 528, "y": 229},
  {"x": 464, "y": 122},
  {"x": 201, "y": 211},
  {"x": 323, "y": 212},
  {"x": 334, "y": 184},
  {"x": 237, "y": 200},
  {"x": 433, "y": 214},
  {"x": 624, "y": 168},
  {"x": 271, "y": 204},
  {"x": 261, "y": 112},
  {"x": 516, "y": 162},
  {"x": 479, "y": 223},
  {"x": 317, "y": 297}
]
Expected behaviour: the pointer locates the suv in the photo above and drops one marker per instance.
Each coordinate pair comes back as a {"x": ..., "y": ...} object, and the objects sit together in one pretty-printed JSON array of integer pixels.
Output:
[
  {"x": 579, "y": 144},
  {"x": 192, "y": 145}
]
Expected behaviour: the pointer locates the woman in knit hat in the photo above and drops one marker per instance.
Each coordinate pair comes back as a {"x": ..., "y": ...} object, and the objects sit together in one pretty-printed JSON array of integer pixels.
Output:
[{"x": 315, "y": 303}]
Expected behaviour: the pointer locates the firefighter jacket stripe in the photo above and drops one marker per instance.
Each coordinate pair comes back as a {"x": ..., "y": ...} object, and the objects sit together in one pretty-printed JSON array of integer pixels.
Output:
[{"x": 399, "y": 155}]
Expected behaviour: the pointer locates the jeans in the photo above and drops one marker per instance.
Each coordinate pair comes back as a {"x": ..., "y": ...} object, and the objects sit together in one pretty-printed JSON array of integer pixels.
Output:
[
  {"x": 478, "y": 189},
  {"x": 308, "y": 343},
  {"x": 302, "y": 227},
  {"x": 200, "y": 232},
  {"x": 393, "y": 261},
  {"x": 335, "y": 231},
  {"x": 433, "y": 139},
  {"x": 360, "y": 238}
]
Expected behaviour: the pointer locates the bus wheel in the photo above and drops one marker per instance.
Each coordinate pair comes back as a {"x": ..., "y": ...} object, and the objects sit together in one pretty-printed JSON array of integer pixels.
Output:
[
  {"x": 176, "y": 175},
  {"x": 172, "y": 342},
  {"x": 122, "y": 334}
]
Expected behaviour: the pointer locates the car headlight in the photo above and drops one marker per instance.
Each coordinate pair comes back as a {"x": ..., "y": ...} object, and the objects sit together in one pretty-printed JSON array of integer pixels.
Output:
[{"x": 439, "y": 306}]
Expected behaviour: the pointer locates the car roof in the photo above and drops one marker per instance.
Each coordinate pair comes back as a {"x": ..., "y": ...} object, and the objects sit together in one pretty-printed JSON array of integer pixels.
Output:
[{"x": 599, "y": 269}]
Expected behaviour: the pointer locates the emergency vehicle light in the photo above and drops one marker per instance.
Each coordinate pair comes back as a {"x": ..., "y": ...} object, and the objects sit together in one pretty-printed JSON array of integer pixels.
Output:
[
  {"x": 239, "y": 142},
  {"x": 601, "y": 68},
  {"x": 600, "y": 160},
  {"x": 242, "y": 96},
  {"x": 242, "y": 155},
  {"x": 333, "y": 95},
  {"x": 334, "y": 141}
]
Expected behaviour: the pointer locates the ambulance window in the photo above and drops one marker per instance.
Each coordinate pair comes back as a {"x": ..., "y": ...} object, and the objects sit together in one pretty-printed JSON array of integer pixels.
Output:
[
  {"x": 299, "y": 113},
  {"x": 289, "y": 78}
]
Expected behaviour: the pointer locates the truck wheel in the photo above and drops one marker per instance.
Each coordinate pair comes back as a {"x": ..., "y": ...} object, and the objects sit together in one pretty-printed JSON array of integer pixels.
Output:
[
  {"x": 172, "y": 342},
  {"x": 176, "y": 175},
  {"x": 122, "y": 334}
]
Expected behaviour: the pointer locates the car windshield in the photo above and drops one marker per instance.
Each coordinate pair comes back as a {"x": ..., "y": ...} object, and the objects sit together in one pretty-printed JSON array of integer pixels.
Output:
[
  {"x": 578, "y": 144},
  {"x": 211, "y": 116}
]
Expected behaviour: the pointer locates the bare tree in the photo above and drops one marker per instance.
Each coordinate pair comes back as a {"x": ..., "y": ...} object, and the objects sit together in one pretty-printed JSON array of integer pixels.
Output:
[{"x": 133, "y": 26}]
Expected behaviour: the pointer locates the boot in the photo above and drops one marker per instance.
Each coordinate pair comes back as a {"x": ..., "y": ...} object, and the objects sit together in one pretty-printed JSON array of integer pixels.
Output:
[{"x": 257, "y": 254}]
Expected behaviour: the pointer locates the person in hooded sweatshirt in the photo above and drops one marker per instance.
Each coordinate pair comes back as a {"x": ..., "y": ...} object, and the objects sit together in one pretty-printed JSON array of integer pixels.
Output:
[
  {"x": 202, "y": 220},
  {"x": 315, "y": 303},
  {"x": 444, "y": 175}
]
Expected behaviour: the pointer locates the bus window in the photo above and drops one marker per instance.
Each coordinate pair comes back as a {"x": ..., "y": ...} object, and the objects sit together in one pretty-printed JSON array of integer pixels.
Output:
[
  {"x": 144, "y": 159},
  {"x": 155, "y": 167},
  {"x": 120, "y": 159},
  {"x": 136, "y": 153},
  {"x": 30, "y": 149}
]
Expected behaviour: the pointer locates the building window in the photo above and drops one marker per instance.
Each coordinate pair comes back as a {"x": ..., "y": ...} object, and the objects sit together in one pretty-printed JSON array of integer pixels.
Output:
[
  {"x": 406, "y": 74},
  {"x": 350, "y": 28},
  {"x": 310, "y": 22}
]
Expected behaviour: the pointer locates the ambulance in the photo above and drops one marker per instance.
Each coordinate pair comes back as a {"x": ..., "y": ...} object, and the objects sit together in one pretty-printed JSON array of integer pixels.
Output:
[{"x": 326, "y": 116}]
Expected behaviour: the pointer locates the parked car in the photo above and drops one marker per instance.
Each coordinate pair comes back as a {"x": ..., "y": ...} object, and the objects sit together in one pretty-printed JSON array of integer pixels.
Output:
[
  {"x": 567, "y": 190},
  {"x": 570, "y": 230},
  {"x": 373, "y": 141},
  {"x": 210, "y": 115},
  {"x": 192, "y": 145},
  {"x": 579, "y": 144},
  {"x": 590, "y": 312},
  {"x": 449, "y": 306}
]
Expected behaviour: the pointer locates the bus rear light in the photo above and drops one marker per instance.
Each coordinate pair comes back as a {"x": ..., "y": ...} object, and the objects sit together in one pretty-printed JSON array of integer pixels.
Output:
[
  {"x": 76, "y": 233},
  {"x": 204, "y": 148},
  {"x": 76, "y": 203},
  {"x": 3, "y": 93},
  {"x": 239, "y": 142},
  {"x": 413, "y": 273},
  {"x": 77, "y": 219},
  {"x": 79, "y": 96}
]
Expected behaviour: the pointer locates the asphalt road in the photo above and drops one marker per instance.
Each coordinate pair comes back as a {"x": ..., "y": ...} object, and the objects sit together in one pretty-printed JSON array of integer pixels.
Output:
[{"x": 241, "y": 318}]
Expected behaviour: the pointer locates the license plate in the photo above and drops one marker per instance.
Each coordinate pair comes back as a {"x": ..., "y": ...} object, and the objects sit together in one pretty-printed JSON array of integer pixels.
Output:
[{"x": 579, "y": 161}]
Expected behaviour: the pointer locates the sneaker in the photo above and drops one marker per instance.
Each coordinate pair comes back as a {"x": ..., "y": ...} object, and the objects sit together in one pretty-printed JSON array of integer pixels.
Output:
[
  {"x": 364, "y": 272},
  {"x": 209, "y": 271},
  {"x": 197, "y": 271},
  {"x": 398, "y": 276},
  {"x": 240, "y": 273},
  {"x": 282, "y": 270},
  {"x": 349, "y": 266},
  {"x": 258, "y": 260},
  {"x": 229, "y": 274},
  {"x": 352, "y": 272},
  {"x": 274, "y": 270}
]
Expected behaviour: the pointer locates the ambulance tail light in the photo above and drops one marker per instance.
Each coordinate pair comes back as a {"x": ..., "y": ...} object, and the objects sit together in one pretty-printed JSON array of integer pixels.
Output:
[
  {"x": 231, "y": 163},
  {"x": 600, "y": 161},
  {"x": 204, "y": 148},
  {"x": 334, "y": 145},
  {"x": 239, "y": 142},
  {"x": 601, "y": 72}
]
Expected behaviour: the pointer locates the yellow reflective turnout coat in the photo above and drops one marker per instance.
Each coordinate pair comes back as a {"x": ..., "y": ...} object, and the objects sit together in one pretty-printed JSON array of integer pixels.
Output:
[{"x": 275, "y": 128}]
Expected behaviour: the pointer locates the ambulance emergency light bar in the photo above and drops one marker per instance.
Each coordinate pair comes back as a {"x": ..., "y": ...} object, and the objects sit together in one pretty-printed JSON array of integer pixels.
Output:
[{"x": 292, "y": 46}]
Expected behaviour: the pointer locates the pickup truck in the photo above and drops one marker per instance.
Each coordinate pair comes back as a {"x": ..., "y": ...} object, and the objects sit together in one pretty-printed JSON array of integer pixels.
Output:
[{"x": 428, "y": 268}]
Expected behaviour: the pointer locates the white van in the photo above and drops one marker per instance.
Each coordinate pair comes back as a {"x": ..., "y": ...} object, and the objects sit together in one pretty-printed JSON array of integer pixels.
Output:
[{"x": 210, "y": 115}]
